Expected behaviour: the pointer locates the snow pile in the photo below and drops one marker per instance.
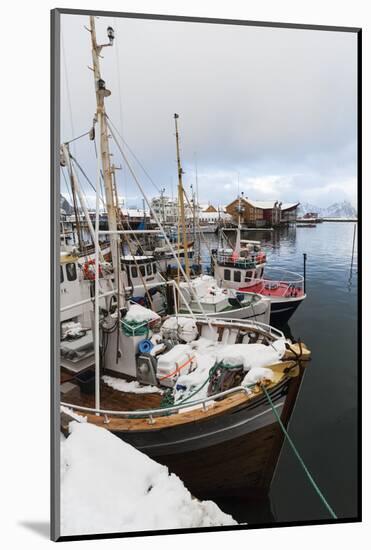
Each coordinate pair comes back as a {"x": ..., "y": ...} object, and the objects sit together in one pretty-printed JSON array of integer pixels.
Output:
[
  {"x": 140, "y": 314},
  {"x": 108, "y": 486},
  {"x": 257, "y": 374},
  {"x": 250, "y": 355},
  {"x": 72, "y": 330},
  {"x": 198, "y": 286},
  {"x": 129, "y": 387},
  {"x": 253, "y": 357},
  {"x": 184, "y": 327},
  {"x": 188, "y": 383}
]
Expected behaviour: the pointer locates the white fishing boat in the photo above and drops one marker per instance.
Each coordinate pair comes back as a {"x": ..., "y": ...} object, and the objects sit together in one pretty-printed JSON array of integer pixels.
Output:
[{"x": 243, "y": 267}]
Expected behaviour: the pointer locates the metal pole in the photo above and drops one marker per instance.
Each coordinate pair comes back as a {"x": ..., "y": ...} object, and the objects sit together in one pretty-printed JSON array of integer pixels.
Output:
[
  {"x": 305, "y": 271},
  {"x": 181, "y": 198},
  {"x": 96, "y": 283},
  {"x": 354, "y": 240},
  {"x": 129, "y": 231}
]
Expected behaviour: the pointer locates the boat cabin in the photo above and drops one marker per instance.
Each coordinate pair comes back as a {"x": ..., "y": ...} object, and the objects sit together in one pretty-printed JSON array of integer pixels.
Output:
[
  {"x": 139, "y": 269},
  {"x": 72, "y": 289},
  {"x": 244, "y": 269}
]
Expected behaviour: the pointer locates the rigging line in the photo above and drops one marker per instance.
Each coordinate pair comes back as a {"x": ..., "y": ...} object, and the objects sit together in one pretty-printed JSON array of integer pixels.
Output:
[
  {"x": 67, "y": 88},
  {"x": 71, "y": 200},
  {"x": 67, "y": 186},
  {"x": 87, "y": 179},
  {"x": 76, "y": 138},
  {"x": 296, "y": 452},
  {"x": 186, "y": 278},
  {"x": 101, "y": 173},
  {"x": 200, "y": 232},
  {"x": 134, "y": 155},
  {"x": 117, "y": 56}
]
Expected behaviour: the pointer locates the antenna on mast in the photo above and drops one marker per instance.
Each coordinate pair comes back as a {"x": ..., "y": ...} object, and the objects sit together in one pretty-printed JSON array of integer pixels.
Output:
[{"x": 101, "y": 92}]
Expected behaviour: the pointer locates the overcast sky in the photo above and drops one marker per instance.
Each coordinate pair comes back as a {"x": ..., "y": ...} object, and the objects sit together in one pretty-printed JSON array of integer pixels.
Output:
[{"x": 271, "y": 112}]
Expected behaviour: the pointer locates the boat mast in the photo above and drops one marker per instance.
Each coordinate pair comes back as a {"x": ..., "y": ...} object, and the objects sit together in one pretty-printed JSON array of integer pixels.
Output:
[
  {"x": 101, "y": 92},
  {"x": 181, "y": 199}
]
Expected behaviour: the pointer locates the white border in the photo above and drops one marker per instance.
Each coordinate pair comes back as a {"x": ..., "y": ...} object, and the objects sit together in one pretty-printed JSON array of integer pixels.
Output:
[{"x": 25, "y": 178}]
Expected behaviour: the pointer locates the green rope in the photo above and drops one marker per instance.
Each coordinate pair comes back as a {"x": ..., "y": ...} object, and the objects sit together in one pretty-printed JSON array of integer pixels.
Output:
[
  {"x": 211, "y": 372},
  {"x": 301, "y": 461}
]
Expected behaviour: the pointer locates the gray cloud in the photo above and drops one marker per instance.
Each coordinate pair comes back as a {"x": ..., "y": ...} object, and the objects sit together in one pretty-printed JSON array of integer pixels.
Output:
[{"x": 278, "y": 106}]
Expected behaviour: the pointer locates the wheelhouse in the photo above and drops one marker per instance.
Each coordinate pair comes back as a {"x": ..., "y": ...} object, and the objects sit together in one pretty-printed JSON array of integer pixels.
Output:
[{"x": 139, "y": 269}]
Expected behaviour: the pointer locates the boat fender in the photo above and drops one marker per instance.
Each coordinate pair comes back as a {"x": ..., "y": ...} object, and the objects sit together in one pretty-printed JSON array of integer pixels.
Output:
[{"x": 145, "y": 346}]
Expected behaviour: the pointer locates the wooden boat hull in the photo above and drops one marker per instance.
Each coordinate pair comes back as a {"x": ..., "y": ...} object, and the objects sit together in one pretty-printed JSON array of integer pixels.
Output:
[{"x": 233, "y": 454}]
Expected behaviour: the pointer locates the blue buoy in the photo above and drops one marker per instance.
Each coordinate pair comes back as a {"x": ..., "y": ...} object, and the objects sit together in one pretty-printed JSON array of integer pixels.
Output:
[{"x": 145, "y": 346}]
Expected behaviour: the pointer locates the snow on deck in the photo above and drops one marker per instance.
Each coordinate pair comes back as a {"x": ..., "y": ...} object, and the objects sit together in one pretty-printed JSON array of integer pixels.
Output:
[
  {"x": 108, "y": 486},
  {"x": 122, "y": 385}
]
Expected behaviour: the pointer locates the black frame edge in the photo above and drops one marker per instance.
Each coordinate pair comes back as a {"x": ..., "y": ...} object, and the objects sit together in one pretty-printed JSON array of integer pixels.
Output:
[{"x": 54, "y": 274}]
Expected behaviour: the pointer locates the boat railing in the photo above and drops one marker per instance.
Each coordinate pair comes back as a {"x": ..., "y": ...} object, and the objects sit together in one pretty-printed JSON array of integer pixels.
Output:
[
  {"x": 293, "y": 282},
  {"x": 250, "y": 262},
  {"x": 246, "y": 323},
  {"x": 152, "y": 413}
]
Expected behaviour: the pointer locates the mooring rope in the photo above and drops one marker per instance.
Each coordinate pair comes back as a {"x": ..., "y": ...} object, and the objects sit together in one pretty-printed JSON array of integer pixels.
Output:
[{"x": 296, "y": 452}]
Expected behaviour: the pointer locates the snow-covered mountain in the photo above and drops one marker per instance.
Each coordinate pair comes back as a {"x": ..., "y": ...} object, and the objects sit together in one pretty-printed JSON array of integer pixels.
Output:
[{"x": 342, "y": 209}]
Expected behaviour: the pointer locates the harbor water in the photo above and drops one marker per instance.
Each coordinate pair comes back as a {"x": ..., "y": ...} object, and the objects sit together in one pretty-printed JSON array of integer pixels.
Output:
[{"x": 324, "y": 423}]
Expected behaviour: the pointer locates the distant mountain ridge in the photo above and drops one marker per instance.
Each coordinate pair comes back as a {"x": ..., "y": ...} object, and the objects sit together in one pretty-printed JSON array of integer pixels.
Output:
[{"x": 342, "y": 209}]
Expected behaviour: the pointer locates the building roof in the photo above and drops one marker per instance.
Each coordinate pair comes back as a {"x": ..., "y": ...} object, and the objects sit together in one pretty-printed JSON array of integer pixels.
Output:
[{"x": 267, "y": 205}]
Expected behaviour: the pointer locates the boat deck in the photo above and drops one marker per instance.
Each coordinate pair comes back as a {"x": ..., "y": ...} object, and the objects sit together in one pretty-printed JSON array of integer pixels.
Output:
[
  {"x": 279, "y": 290},
  {"x": 112, "y": 399}
]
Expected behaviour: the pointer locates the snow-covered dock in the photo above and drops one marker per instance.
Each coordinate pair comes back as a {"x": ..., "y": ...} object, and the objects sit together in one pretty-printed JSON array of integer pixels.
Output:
[{"x": 108, "y": 486}]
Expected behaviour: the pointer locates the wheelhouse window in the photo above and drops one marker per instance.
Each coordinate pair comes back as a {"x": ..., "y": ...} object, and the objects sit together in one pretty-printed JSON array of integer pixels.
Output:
[
  {"x": 142, "y": 269},
  {"x": 134, "y": 271},
  {"x": 154, "y": 267},
  {"x": 237, "y": 276},
  {"x": 227, "y": 274},
  {"x": 62, "y": 276},
  {"x": 249, "y": 276},
  {"x": 149, "y": 269},
  {"x": 71, "y": 272}
]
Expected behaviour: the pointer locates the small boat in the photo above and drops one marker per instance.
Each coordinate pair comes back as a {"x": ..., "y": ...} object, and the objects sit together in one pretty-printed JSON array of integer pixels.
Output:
[
  {"x": 244, "y": 268},
  {"x": 221, "y": 302}
]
